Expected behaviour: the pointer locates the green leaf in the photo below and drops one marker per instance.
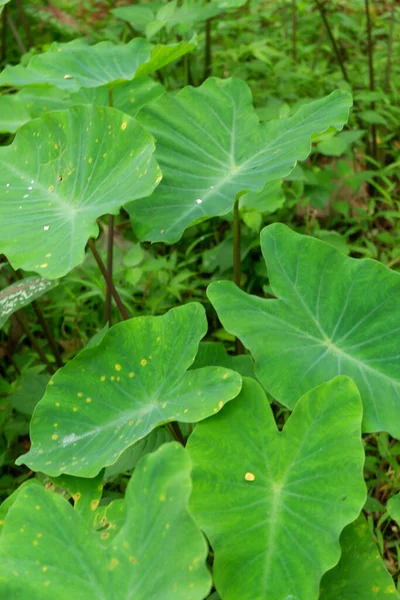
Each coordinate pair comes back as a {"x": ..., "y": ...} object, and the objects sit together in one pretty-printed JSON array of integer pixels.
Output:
[
  {"x": 334, "y": 315},
  {"x": 372, "y": 117},
  {"x": 60, "y": 174},
  {"x": 162, "y": 55},
  {"x": 129, "y": 459},
  {"x": 77, "y": 64},
  {"x": 48, "y": 550},
  {"x": 273, "y": 503},
  {"x": 114, "y": 394},
  {"x": 139, "y": 16},
  {"x": 13, "y": 113},
  {"x": 211, "y": 147},
  {"x": 129, "y": 96},
  {"x": 361, "y": 572},
  {"x": 29, "y": 389},
  {"x": 21, "y": 293},
  {"x": 214, "y": 354},
  {"x": 268, "y": 200},
  {"x": 393, "y": 507},
  {"x": 86, "y": 493}
]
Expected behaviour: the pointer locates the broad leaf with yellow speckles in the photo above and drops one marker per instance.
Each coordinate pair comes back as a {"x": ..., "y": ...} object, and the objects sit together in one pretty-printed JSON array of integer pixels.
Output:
[
  {"x": 86, "y": 493},
  {"x": 211, "y": 147},
  {"x": 49, "y": 551},
  {"x": 114, "y": 394},
  {"x": 60, "y": 174},
  {"x": 273, "y": 504},
  {"x": 333, "y": 315},
  {"x": 361, "y": 572}
]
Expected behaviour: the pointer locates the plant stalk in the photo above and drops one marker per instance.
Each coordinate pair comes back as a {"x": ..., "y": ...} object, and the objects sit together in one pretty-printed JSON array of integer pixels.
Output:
[
  {"x": 22, "y": 321},
  {"x": 16, "y": 35},
  {"x": 4, "y": 35},
  {"x": 110, "y": 246},
  {"x": 45, "y": 328},
  {"x": 294, "y": 31},
  {"x": 207, "y": 50},
  {"x": 176, "y": 432},
  {"x": 371, "y": 77},
  {"x": 108, "y": 281},
  {"x": 335, "y": 47},
  {"x": 390, "y": 48},
  {"x": 237, "y": 259}
]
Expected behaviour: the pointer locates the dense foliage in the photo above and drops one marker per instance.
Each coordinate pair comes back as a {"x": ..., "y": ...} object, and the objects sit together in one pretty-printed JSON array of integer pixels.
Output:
[{"x": 199, "y": 303}]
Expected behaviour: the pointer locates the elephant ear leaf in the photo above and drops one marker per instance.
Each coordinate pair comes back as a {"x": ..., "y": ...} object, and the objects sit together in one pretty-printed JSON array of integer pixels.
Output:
[
  {"x": 49, "y": 550},
  {"x": 211, "y": 147},
  {"x": 273, "y": 504},
  {"x": 21, "y": 293},
  {"x": 114, "y": 394},
  {"x": 361, "y": 572},
  {"x": 333, "y": 315},
  {"x": 60, "y": 174}
]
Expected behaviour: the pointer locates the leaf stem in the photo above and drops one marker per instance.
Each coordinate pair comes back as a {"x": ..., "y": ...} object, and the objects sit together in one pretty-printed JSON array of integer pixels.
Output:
[
  {"x": 23, "y": 323},
  {"x": 110, "y": 243},
  {"x": 389, "y": 49},
  {"x": 371, "y": 76},
  {"x": 109, "y": 282},
  {"x": 45, "y": 328},
  {"x": 335, "y": 47},
  {"x": 207, "y": 50},
  {"x": 237, "y": 259},
  {"x": 176, "y": 432}
]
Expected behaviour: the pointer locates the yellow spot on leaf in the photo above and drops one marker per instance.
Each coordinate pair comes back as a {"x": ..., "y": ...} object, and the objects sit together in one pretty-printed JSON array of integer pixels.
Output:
[
  {"x": 123, "y": 126},
  {"x": 90, "y": 160},
  {"x": 249, "y": 477},
  {"x": 57, "y": 404},
  {"x": 132, "y": 559},
  {"x": 112, "y": 378},
  {"x": 94, "y": 504},
  {"x": 88, "y": 400},
  {"x": 131, "y": 374},
  {"x": 220, "y": 404},
  {"x": 225, "y": 376},
  {"x": 44, "y": 265},
  {"x": 44, "y": 569},
  {"x": 105, "y": 535},
  {"x": 48, "y": 256},
  {"x": 75, "y": 409},
  {"x": 54, "y": 436},
  {"x": 51, "y": 188},
  {"x": 35, "y": 543},
  {"x": 39, "y": 535},
  {"x": 103, "y": 378},
  {"x": 80, "y": 394},
  {"x": 117, "y": 367},
  {"x": 162, "y": 498},
  {"x": 143, "y": 362},
  {"x": 375, "y": 589}
]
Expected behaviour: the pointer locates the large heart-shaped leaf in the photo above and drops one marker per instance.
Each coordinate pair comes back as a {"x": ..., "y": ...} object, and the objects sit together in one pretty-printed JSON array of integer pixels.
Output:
[
  {"x": 273, "y": 503},
  {"x": 78, "y": 64},
  {"x": 21, "y": 293},
  {"x": 60, "y": 174},
  {"x": 49, "y": 551},
  {"x": 114, "y": 394},
  {"x": 211, "y": 147},
  {"x": 334, "y": 315},
  {"x": 13, "y": 113},
  {"x": 361, "y": 572}
]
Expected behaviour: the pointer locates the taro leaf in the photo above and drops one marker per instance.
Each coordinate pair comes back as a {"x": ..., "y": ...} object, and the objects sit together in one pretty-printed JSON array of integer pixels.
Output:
[
  {"x": 48, "y": 550},
  {"x": 114, "y": 394},
  {"x": 273, "y": 503},
  {"x": 28, "y": 390},
  {"x": 334, "y": 315},
  {"x": 129, "y": 459},
  {"x": 268, "y": 200},
  {"x": 13, "y": 113},
  {"x": 139, "y": 16},
  {"x": 211, "y": 147},
  {"x": 60, "y": 174},
  {"x": 361, "y": 572},
  {"x": 108, "y": 520},
  {"x": 129, "y": 97},
  {"x": 77, "y": 64},
  {"x": 21, "y": 293},
  {"x": 164, "y": 54},
  {"x": 40, "y": 99},
  {"x": 393, "y": 507},
  {"x": 214, "y": 354},
  {"x": 86, "y": 493}
]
